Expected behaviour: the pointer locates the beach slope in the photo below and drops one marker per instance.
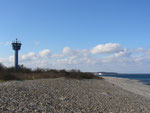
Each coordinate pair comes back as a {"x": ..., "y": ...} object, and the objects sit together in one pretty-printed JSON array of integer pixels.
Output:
[
  {"x": 61, "y": 95},
  {"x": 131, "y": 85}
]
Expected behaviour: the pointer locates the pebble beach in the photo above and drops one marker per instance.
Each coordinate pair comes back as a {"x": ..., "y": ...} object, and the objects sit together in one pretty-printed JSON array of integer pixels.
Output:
[{"x": 62, "y": 95}]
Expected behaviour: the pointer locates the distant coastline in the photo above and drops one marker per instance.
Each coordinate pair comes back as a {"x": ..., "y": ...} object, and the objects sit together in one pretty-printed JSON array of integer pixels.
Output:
[
  {"x": 115, "y": 73},
  {"x": 144, "y": 78}
]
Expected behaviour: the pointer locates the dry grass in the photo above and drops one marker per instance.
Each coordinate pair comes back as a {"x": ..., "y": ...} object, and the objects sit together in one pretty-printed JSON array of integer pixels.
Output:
[{"x": 23, "y": 73}]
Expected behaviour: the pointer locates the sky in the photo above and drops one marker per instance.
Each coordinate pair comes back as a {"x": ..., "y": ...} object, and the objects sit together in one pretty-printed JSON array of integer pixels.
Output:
[{"x": 90, "y": 35}]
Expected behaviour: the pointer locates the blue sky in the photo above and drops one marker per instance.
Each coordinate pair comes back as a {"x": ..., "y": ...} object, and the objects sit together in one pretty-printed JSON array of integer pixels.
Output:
[{"x": 78, "y": 24}]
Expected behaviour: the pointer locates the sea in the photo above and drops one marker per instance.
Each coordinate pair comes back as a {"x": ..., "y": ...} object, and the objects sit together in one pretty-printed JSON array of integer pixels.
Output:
[{"x": 144, "y": 78}]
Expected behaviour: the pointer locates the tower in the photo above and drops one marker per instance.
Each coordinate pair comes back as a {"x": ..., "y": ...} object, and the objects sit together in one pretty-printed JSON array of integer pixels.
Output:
[{"x": 16, "y": 47}]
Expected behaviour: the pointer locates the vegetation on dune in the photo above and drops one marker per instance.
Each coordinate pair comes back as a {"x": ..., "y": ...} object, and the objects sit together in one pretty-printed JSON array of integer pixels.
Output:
[{"x": 24, "y": 73}]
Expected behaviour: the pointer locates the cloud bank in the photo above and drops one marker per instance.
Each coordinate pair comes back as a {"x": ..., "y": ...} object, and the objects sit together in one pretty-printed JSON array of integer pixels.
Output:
[{"x": 111, "y": 57}]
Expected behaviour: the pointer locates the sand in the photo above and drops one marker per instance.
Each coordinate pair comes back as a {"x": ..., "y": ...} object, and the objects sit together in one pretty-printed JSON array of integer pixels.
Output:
[{"x": 131, "y": 85}]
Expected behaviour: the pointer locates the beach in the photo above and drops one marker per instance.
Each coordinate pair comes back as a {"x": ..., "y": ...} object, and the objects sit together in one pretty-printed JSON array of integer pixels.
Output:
[
  {"x": 62, "y": 95},
  {"x": 131, "y": 85}
]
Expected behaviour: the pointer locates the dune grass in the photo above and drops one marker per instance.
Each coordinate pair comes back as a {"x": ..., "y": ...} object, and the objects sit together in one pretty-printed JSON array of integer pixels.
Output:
[{"x": 24, "y": 73}]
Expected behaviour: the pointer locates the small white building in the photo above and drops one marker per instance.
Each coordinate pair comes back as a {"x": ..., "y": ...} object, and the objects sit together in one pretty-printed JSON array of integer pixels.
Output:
[{"x": 100, "y": 73}]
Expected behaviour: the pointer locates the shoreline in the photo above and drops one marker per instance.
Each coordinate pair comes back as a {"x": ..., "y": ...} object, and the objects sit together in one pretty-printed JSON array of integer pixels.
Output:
[{"x": 132, "y": 85}]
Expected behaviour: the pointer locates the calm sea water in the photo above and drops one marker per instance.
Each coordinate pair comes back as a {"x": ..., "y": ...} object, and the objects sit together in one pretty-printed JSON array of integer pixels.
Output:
[{"x": 145, "y": 78}]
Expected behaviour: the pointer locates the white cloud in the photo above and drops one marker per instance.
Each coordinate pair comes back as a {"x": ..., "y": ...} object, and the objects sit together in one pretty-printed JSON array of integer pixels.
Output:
[
  {"x": 45, "y": 53},
  {"x": 107, "y": 57},
  {"x": 107, "y": 48},
  {"x": 57, "y": 56},
  {"x": 124, "y": 53},
  {"x": 3, "y": 60},
  {"x": 28, "y": 57},
  {"x": 68, "y": 51},
  {"x": 11, "y": 59}
]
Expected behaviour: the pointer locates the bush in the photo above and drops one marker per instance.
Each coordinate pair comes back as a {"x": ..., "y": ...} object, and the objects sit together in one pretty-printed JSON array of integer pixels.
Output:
[
  {"x": 24, "y": 73},
  {"x": 53, "y": 70},
  {"x": 39, "y": 70},
  {"x": 2, "y": 67},
  {"x": 24, "y": 69},
  {"x": 77, "y": 74}
]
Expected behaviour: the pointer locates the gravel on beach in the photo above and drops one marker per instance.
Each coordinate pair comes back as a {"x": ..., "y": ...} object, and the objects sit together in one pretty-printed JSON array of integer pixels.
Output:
[{"x": 61, "y": 95}]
